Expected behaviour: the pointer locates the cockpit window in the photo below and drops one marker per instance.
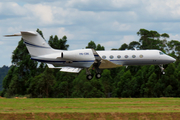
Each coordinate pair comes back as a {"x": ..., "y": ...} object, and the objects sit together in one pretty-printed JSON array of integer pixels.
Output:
[{"x": 161, "y": 53}]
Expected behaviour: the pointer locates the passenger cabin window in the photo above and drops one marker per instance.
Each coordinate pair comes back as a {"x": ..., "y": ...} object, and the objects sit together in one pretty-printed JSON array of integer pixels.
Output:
[
  {"x": 133, "y": 56},
  {"x": 118, "y": 56},
  {"x": 126, "y": 56},
  {"x": 161, "y": 53},
  {"x": 141, "y": 56},
  {"x": 111, "y": 56},
  {"x": 103, "y": 57}
]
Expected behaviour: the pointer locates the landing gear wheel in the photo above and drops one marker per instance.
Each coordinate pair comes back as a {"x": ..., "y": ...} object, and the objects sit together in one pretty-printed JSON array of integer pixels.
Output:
[
  {"x": 162, "y": 69},
  {"x": 89, "y": 77},
  {"x": 98, "y": 75}
]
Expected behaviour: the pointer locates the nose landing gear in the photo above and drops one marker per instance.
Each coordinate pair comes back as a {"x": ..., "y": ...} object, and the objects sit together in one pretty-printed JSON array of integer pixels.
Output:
[{"x": 162, "y": 69}]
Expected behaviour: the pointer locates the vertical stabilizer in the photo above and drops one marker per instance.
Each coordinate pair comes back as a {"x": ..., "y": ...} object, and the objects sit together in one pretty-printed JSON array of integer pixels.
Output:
[{"x": 35, "y": 44}]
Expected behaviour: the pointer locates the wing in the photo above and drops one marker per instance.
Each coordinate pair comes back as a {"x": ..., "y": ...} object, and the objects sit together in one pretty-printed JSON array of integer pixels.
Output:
[
  {"x": 102, "y": 64},
  {"x": 66, "y": 69},
  {"x": 108, "y": 64}
]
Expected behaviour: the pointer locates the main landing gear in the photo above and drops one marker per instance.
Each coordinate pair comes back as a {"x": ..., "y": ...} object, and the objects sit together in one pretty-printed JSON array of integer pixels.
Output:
[
  {"x": 162, "y": 69},
  {"x": 89, "y": 75},
  {"x": 98, "y": 75}
]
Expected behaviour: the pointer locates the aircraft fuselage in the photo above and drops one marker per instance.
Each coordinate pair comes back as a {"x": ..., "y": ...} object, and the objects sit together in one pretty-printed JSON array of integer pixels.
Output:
[{"x": 84, "y": 58}]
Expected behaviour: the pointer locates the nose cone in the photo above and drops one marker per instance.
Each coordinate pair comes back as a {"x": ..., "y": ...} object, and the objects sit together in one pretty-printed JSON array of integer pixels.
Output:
[
  {"x": 173, "y": 60},
  {"x": 166, "y": 59}
]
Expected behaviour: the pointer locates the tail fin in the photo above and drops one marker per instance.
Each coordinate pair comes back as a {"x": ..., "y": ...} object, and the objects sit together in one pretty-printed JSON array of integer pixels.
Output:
[{"x": 35, "y": 44}]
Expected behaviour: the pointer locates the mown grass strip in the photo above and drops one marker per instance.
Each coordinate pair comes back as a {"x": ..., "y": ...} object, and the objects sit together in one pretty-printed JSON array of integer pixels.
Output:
[{"x": 89, "y": 105}]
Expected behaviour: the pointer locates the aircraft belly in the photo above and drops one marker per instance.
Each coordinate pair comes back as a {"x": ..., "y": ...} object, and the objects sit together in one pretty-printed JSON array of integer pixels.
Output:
[
  {"x": 58, "y": 63},
  {"x": 80, "y": 64},
  {"x": 145, "y": 62},
  {"x": 135, "y": 62}
]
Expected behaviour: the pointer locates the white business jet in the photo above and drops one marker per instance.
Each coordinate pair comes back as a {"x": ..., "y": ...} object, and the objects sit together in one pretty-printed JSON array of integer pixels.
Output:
[{"x": 75, "y": 60}]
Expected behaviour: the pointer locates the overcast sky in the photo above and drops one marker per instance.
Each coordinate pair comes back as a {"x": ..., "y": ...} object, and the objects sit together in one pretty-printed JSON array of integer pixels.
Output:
[{"x": 107, "y": 22}]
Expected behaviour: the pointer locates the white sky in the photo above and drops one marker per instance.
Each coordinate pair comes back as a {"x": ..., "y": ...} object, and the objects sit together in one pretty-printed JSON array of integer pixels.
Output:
[{"x": 107, "y": 22}]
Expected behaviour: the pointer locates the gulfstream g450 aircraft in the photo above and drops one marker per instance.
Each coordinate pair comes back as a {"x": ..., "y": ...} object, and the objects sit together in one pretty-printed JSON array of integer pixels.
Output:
[{"x": 75, "y": 60}]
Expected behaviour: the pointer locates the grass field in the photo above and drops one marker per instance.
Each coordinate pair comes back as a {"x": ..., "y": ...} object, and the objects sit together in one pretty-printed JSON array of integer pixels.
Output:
[{"x": 92, "y": 107}]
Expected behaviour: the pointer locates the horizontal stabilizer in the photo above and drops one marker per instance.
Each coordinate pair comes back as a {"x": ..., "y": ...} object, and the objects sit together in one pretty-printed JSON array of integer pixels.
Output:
[
  {"x": 29, "y": 33},
  {"x": 17, "y": 34},
  {"x": 22, "y": 32},
  {"x": 71, "y": 69}
]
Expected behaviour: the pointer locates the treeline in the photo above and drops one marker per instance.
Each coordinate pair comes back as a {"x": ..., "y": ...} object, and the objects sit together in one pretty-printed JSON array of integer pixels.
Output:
[
  {"x": 3, "y": 73},
  {"x": 32, "y": 79}
]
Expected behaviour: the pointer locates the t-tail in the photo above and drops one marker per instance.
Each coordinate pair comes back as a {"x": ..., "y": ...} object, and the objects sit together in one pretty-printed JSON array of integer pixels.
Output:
[{"x": 35, "y": 44}]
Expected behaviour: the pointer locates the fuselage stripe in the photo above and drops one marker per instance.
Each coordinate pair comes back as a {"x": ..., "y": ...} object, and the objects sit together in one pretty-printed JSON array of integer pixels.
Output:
[
  {"x": 59, "y": 61},
  {"x": 30, "y": 44}
]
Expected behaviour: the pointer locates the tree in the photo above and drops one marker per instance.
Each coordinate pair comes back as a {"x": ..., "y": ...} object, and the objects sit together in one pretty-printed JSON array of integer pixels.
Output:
[
  {"x": 92, "y": 45},
  {"x": 174, "y": 48},
  {"x": 42, "y": 84},
  {"x": 106, "y": 80},
  {"x": 63, "y": 86},
  {"x": 149, "y": 89},
  {"x": 149, "y": 39},
  {"x": 124, "y": 80},
  {"x": 134, "y": 44},
  {"x": 165, "y": 35},
  {"x": 99, "y": 47},
  {"x": 57, "y": 43},
  {"x": 23, "y": 68},
  {"x": 40, "y": 32},
  {"x": 123, "y": 47},
  {"x": 3, "y": 73}
]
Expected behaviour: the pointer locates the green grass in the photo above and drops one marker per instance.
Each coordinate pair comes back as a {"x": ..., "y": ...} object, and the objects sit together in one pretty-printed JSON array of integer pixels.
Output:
[{"x": 89, "y": 105}]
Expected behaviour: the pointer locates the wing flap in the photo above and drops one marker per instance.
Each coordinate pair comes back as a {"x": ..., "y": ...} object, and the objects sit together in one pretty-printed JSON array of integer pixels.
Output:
[
  {"x": 66, "y": 69},
  {"x": 70, "y": 69}
]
